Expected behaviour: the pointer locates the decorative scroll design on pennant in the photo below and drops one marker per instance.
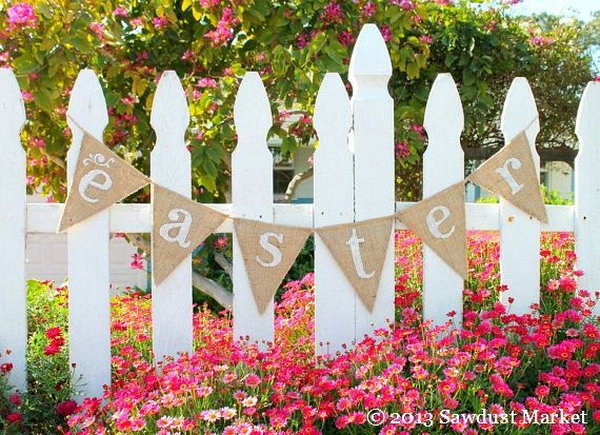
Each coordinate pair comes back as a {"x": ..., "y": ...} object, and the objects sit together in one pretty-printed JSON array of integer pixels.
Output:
[
  {"x": 101, "y": 178},
  {"x": 360, "y": 249}
]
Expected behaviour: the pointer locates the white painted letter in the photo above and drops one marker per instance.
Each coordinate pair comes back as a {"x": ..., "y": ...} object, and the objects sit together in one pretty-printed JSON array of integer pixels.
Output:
[
  {"x": 505, "y": 173},
  {"x": 272, "y": 249},
  {"x": 88, "y": 180},
  {"x": 354, "y": 243},
  {"x": 433, "y": 224},
  {"x": 184, "y": 227}
]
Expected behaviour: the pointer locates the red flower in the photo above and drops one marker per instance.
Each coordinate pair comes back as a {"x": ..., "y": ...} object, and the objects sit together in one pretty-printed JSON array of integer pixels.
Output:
[
  {"x": 52, "y": 349},
  {"x": 66, "y": 408},
  {"x": 53, "y": 332},
  {"x": 14, "y": 417},
  {"x": 6, "y": 367},
  {"x": 15, "y": 399}
]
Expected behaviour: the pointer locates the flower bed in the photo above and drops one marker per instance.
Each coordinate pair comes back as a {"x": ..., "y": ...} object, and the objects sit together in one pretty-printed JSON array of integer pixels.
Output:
[{"x": 499, "y": 363}]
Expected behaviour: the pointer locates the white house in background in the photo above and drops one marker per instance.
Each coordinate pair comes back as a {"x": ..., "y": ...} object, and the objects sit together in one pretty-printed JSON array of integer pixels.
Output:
[
  {"x": 558, "y": 176},
  {"x": 46, "y": 259}
]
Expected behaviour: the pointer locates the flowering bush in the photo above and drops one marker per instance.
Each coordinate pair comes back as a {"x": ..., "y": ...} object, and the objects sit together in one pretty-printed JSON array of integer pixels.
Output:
[
  {"x": 211, "y": 43},
  {"x": 544, "y": 361}
]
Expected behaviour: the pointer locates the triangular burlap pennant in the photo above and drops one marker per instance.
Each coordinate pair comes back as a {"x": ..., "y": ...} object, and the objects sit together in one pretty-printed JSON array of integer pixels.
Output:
[
  {"x": 101, "y": 179},
  {"x": 179, "y": 225},
  {"x": 511, "y": 174},
  {"x": 440, "y": 222},
  {"x": 269, "y": 251},
  {"x": 360, "y": 249}
]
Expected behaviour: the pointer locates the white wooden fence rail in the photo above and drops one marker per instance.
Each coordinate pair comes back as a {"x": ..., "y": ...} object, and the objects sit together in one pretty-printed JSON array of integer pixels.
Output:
[{"x": 354, "y": 180}]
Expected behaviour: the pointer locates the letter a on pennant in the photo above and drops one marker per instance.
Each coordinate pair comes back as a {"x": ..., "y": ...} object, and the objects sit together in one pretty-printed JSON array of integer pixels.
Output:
[
  {"x": 511, "y": 174},
  {"x": 360, "y": 249},
  {"x": 268, "y": 251},
  {"x": 179, "y": 225},
  {"x": 101, "y": 178},
  {"x": 440, "y": 223}
]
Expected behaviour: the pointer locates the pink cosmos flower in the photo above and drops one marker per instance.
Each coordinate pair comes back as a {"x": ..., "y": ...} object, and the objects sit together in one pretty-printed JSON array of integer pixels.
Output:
[
  {"x": 137, "y": 261},
  {"x": 160, "y": 22},
  {"x": 21, "y": 15},
  {"x": 120, "y": 11},
  {"x": 332, "y": 13}
]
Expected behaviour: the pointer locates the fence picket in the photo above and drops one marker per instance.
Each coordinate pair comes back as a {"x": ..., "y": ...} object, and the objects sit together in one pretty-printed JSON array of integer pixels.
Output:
[
  {"x": 587, "y": 190},
  {"x": 520, "y": 233},
  {"x": 171, "y": 168},
  {"x": 252, "y": 198},
  {"x": 333, "y": 204},
  {"x": 372, "y": 141},
  {"x": 443, "y": 166},
  {"x": 13, "y": 293},
  {"x": 88, "y": 254}
]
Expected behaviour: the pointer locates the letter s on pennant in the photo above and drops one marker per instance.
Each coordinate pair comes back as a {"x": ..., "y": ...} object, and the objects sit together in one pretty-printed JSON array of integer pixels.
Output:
[{"x": 271, "y": 249}]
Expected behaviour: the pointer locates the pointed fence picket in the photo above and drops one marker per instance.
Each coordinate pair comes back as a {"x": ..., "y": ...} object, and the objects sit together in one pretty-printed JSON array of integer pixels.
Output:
[
  {"x": 87, "y": 242},
  {"x": 443, "y": 166},
  {"x": 13, "y": 298},
  {"x": 170, "y": 166},
  {"x": 372, "y": 142},
  {"x": 252, "y": 196},
  {"x": 354, "y": 180},
  {"x": 333, "y": 204},
  {"x": 520, "y": 233},
  {"x": 587, "y": 190}
]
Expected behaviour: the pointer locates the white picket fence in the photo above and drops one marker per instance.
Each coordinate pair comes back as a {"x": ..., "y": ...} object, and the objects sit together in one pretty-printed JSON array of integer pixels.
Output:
[{"x": 353, "y": 180}]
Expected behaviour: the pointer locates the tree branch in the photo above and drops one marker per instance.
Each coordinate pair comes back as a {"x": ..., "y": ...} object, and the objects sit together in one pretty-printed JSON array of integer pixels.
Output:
[
  {"x": 224, "y": 263},
  {"x": 206, "y": 285},
  {"x": 295, "y": 182}
]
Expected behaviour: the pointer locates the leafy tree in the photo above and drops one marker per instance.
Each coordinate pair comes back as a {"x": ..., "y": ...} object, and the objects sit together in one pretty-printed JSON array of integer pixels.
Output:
[{"x": 292, "y": 43}]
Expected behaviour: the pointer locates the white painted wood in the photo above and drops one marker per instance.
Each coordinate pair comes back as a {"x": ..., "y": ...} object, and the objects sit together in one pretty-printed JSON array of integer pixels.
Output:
[
  {"x": 587, "y": 190},
  {"x": 135, "y": 218},
  {"x": 443, "y": 166},
  {"x": 88, "y": 250},
  {"x": 333, "y": 204},
  {"x": 520, "y": 233},
  {"x": 372, "y": 141},
  {"x": 13, "y": 293},
  {"x": 252, "y": 197},
  {"x": 170, "y": 164}
]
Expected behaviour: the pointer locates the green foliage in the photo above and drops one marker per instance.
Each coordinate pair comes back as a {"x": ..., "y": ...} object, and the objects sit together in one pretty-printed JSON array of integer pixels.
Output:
[
  {"x": 212, "y": 43},
  {"x": 49, "y": 376},
  {"x": 551, "y": 197}
]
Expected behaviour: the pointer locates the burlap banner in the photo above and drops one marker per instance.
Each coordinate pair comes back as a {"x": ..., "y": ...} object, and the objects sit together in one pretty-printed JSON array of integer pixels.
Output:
[
  {"x": 268, "y": 251},
  {"x": 440, "y": 222},
  {"x": 360, "y": 249},
  {"x": 101, "y": 179},
  {"x": 179, "y": 225},
  {"x": 511, "y": 174}
]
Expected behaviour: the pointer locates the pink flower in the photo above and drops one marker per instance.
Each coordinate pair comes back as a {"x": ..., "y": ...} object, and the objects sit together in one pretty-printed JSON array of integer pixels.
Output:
[
  {"x": 540, "y": 40},
  {"x": 97, "y": 29},
  {"x": 53, "y": 332},
  {"x": 597, "y": 79},
  {"x": 160, "y": 22},
  {"x": 27, "y": 96},
  {"x": 207, "y": 82},
  {"x": 332, "y": 13},
  {"x": 21, "y": 15},
  {"x": 369, "y": 9},
  {"x": 401, "y": 149},
  {"x": 37, "y": 142},
  {"x": 137, "y": 261},
  {"x": 386, "y": 32},
  {"x": 252, "y": 380},
  {"x": 121, "y": 12},
  {"x": 426, "y": 39},
  {"x": 345, "y": 37},
  {"x": 408, "y": 5}
]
